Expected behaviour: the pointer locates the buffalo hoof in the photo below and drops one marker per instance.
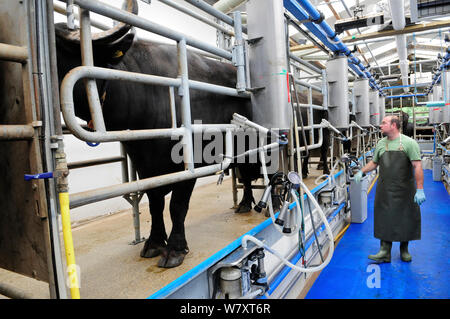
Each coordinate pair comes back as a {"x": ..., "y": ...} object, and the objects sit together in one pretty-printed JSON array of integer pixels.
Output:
[
  {"x": 243, "y": 208},
  {"x": 245, "y": 205},
  {"x": 172, "y": 258},
  {"x": 151, "y": 250}
]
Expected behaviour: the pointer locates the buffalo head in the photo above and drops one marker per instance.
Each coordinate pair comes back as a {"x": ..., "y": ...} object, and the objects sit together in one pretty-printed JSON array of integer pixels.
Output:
[{"x": 109, "y": 48}]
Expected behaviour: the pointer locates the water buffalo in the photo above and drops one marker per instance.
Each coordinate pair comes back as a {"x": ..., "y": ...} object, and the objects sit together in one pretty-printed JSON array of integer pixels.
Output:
[{"x": 135, "y": 106}]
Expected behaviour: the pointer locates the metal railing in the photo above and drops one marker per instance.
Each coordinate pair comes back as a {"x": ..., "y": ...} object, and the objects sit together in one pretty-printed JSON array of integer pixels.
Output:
[{"x": 182, "y": 83}]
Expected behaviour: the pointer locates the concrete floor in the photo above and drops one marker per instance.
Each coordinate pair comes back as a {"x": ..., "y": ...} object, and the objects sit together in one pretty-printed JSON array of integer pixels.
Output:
[{"x": 110, "y": 267}]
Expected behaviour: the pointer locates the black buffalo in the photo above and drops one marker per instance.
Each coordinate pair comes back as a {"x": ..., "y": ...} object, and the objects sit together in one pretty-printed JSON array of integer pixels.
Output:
[
  {"x": 318, "y": 115},
  {"x": 135, "y": 106},
  {"x": 128, "y": 105}
]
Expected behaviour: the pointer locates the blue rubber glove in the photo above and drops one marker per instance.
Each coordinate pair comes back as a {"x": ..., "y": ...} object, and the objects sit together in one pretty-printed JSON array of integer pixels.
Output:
[
  {"x": 419, "y": 198},
  {"x": 358, "y": 176}
]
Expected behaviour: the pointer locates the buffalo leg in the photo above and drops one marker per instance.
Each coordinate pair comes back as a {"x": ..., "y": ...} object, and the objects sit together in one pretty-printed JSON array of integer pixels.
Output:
[
  {"x": 177, "y": 248},
  {"x": 156, "y": 243},
  {"x": 246, "y": 203}
]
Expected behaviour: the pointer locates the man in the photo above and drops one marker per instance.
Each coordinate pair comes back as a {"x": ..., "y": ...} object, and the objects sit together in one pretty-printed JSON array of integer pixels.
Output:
[{"x": 399, "y": 190}]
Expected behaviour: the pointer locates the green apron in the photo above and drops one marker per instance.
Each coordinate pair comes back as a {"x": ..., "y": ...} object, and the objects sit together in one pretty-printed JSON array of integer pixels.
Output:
[{"x": 396, "y": 215}]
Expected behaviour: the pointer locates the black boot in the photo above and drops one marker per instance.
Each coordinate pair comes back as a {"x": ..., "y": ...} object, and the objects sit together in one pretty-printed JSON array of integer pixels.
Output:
[
  {"x": 384, "y": 255},
  {"x": 404, "y": 254}
]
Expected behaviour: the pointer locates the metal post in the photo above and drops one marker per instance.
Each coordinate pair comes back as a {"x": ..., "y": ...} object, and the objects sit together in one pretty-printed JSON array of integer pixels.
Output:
[
  {"x": 238, "y": 50},
  {"x": 183, "y": 91},
  {"x": 135, "y": 199},
  {"x": 234, "y": 187}
]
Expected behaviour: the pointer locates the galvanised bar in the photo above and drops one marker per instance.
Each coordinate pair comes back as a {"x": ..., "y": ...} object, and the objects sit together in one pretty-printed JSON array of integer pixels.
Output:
[
  {"x": 306, "y": 63},
  {"x": 326, "y": 34},
  {"x": 197, "y": 16},
  {"x": 67, "y": 104},
  {"x": 315, "y": 107},
  {"x": 406, "y": 95},
  {"x": 99, "y": 161},
  {"x": 58, "y": 8},
  {"x": 214, "y": 12},
  {"x": 16, "y": 132},
  {"x": 87, "y": 59},
  {"x": 308, "y": 85},
  {"x": 213, "y": 88},
  {"x": 183, "y": 91},
  {"x": 239, "y": 53},
  {"x": 91, "y": 196}
]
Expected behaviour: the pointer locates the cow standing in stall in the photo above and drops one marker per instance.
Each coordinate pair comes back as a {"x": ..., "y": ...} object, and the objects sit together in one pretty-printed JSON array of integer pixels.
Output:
[{"x": 135, "y": 106}]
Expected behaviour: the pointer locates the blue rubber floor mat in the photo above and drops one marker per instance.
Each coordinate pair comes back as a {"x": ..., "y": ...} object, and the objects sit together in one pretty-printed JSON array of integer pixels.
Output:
[{"x": 351, "y": 275}]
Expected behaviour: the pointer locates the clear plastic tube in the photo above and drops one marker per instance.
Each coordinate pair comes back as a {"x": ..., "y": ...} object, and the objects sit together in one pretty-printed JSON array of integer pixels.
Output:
[{"x": 259, "y": 243}]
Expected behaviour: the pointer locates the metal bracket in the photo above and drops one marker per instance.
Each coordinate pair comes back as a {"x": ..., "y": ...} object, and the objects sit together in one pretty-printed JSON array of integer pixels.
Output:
[
  {"x": 256, "y": 89},
  {"x": 254, "y": 40}
]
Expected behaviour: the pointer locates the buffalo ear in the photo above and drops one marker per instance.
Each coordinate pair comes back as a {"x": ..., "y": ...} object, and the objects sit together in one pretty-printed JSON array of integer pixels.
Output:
[{"x": 115, "y": 52}]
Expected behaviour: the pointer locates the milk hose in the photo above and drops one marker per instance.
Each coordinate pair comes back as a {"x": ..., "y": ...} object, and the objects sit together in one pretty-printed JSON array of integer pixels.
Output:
[{"x": 259, "y": 243}]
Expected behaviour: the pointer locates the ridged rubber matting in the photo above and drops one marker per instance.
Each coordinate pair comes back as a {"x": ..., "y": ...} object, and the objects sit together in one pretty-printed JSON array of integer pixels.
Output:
[{"x": 351, "y": 275}]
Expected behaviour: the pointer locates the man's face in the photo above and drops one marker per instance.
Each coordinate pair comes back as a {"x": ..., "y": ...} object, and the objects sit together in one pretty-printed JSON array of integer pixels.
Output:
[{"x": 386, "y": 126}]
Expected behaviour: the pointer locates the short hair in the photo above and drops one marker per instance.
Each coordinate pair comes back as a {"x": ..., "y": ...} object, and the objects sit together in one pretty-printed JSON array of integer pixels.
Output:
[{"x": 395, "y": 120}]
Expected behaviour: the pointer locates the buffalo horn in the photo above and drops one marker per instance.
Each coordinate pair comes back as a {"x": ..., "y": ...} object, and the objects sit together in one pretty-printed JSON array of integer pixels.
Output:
[{"x": 108, "y": 36}]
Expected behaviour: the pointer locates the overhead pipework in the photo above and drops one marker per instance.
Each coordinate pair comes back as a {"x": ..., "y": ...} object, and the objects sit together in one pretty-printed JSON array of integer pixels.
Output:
[{"x": 314, "y": 20}]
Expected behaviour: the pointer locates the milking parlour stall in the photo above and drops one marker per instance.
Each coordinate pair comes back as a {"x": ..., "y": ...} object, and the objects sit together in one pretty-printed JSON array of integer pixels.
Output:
[{"x": 206, "y": 151}]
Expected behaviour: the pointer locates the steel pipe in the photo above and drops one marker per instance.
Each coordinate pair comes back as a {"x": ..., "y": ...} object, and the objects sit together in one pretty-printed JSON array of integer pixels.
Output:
[
  {"x": 13, "y": 292},
  {"x": 313, "y": 106},
  {"x": 94, "y": 162},
  {"x": 214, "y": 12},
  {"x": 132, "y": 19},
  {"x": 305, "y": 63},
  {"x": 239, "y": 62},
  {"x": 13, "y": 53},
  {"x": 87, "y": 59},
  {"x": 68, "y": 110},
  {"x": 16, "y": 132},
  {"x": 91, "y": 196},
  {"x": 58, "y": 8}
]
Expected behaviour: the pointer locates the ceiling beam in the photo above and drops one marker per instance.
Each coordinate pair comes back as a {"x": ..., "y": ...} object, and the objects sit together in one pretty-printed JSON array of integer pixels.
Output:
[{"x": 386, "y": 33}]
